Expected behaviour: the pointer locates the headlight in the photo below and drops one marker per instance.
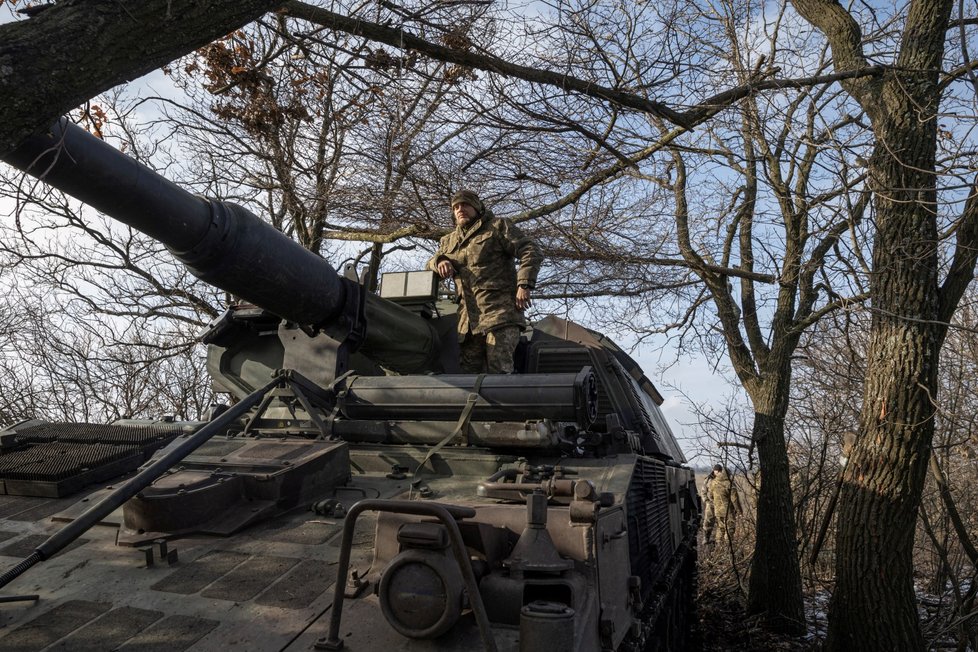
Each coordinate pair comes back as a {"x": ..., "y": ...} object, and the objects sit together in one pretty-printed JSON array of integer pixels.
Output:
[{"x": 421, "y": 593}]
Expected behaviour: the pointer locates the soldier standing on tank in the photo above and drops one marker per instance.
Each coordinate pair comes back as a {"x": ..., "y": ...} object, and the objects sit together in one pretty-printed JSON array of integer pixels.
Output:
[
  {"x": 726, "y": 502},
  {"x": 493, "y": 294}
]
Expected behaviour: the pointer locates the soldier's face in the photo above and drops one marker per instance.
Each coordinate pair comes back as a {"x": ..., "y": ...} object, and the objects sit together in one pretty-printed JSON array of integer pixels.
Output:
[{"x": 463, "y": 213}]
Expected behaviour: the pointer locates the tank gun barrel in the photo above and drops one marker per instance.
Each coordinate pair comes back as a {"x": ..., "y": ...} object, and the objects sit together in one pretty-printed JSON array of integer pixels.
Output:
[{"x": 220, "y": 242}]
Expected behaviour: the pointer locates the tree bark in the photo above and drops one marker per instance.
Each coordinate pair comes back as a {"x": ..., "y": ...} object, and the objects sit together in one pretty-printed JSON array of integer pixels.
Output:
[
  {"x": 72, "y": 51},
  {"x": 885, "y": 476},
  {"x": 775, "y": 590}
]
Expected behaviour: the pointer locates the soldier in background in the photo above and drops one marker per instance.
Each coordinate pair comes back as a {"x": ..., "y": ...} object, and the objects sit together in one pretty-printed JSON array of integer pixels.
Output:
[
  {"x": 479, "y": 254},
  {"x": 726, "y": 502},
  {"x": 709, "y": 516}
]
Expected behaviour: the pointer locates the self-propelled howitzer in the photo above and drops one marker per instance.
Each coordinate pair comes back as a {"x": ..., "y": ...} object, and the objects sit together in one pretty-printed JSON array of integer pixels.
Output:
[{"x": 550, "y": 507}]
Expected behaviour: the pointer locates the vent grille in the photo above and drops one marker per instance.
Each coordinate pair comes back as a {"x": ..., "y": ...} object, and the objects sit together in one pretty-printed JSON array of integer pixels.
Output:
[
  {"x": 646, "y": 424},
  {"x": 91, "y": 433},
  {"x": 58, "y": 459},
  {"x": 650, "y": 541},
  {"x": 276, "y": 451}
]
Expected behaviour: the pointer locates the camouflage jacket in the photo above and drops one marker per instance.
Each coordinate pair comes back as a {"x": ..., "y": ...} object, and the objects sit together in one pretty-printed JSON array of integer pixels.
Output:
[
  {"x": 724, "y": 496},
  {"x": 482, "y": 255}
]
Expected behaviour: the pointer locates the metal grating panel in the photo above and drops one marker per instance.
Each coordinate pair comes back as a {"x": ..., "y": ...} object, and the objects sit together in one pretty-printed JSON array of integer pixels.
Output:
[
  {"x": 172, "y": 634},
  {"x": 110, "y": 631},
  {"x": 303, "y": 584},
  {"x": 246, "y": 581},
  {"x": 218, "y": 448},
  {"x": 201, "y": 572},
  {"x": 650, "y": 541},
  {"x": 276, "y": 451},
  {"x": 647, "y": 423},
  {"x": 58, "y": 459},
  {"x": 87, "y": 433},
  {"x": 47, "y": 628}
]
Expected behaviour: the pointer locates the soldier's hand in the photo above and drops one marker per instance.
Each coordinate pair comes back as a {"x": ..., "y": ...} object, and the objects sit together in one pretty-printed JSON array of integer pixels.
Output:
[
  {"x": 445, "y": 269},
  {"x": 522, "y": 298}
]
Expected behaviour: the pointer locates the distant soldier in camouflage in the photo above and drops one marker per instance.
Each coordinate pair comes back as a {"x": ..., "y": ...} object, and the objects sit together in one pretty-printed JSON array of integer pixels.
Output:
[
  {"x": 479, "y": 255},
  {"x": 724, "y": 499}
]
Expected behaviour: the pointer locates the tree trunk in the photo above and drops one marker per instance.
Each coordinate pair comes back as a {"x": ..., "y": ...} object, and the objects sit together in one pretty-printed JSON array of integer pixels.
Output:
[
  {"x": 775, "y": 579},
  {"x": 874, "y": 606},
  {"x": 71, "y": 51}
]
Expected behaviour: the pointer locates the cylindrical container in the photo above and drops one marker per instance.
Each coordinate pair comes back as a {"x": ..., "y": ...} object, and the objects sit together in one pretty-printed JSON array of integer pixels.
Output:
[{"x": 546, "y": 626}]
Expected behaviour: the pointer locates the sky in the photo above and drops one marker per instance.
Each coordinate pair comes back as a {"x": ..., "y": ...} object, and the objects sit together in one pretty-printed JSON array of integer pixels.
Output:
[{"x": 7, "y": 13}]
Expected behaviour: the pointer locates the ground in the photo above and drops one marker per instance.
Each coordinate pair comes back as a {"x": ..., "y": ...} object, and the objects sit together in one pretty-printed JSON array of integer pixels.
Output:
[{"x": 723, "y": 621}]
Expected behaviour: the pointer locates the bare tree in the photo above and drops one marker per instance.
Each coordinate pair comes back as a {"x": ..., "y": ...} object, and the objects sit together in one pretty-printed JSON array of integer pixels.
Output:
[
  {"x": 911, "y": 308},
  {"x": 106, "y": 322}
]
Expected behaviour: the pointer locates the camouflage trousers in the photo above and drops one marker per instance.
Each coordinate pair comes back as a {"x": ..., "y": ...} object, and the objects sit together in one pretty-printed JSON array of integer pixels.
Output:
[
  {"x": 491, "y": 352},
  {"x": 719, "y": 528},
  {"x": 709, "y": 522}
]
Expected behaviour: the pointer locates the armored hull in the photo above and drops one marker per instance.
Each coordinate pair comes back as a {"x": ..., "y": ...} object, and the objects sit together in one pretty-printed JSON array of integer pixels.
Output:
[{"x": 271, "y": 586}]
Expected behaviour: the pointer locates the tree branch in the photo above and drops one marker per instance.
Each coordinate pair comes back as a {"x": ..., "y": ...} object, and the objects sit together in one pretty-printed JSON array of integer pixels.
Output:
[
  {"x": 399, "y": 38},
  {"x": 845, "y": 39},
  {"x": 687, "y": 120},
  {"x": 962, "y": 269}
]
